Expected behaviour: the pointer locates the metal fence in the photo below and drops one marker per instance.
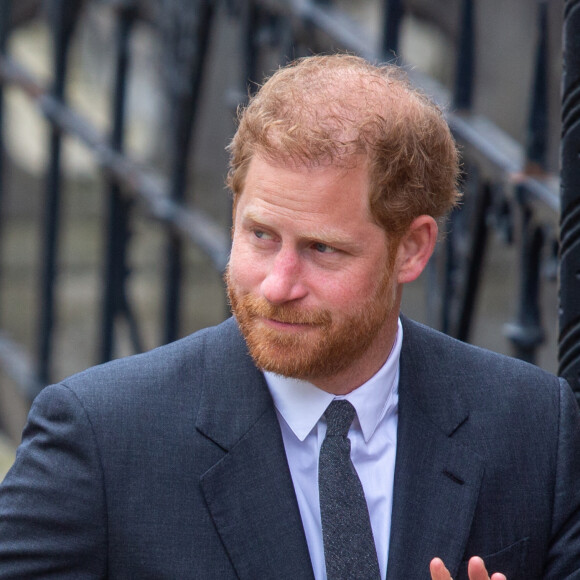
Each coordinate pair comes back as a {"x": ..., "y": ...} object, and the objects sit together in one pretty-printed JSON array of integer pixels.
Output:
[{"x": 508, "y": 186}]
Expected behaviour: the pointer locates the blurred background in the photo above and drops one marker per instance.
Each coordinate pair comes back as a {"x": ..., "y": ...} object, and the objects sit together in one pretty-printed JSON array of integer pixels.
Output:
[{"x": 114, "y": 118}]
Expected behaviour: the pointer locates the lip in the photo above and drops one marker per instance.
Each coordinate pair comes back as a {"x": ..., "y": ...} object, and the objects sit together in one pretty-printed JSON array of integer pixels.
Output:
[{"x": 287, "y": 326}]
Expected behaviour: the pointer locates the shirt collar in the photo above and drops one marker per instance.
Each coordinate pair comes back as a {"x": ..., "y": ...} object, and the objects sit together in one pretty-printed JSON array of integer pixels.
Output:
[{"x": 302, "y": 404}]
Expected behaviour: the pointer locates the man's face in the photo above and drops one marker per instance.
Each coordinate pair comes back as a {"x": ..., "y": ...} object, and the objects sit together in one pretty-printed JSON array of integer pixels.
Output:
[{"x": 308, "y": 279}]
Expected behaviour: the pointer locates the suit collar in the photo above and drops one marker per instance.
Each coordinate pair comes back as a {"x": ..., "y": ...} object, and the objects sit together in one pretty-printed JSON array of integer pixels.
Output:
[
  {"x": 234, "y": 394},
  {"x": 249, "y": 490},
  {"x": 427, "y": 367},
  {"x": 437, "y": 479}
]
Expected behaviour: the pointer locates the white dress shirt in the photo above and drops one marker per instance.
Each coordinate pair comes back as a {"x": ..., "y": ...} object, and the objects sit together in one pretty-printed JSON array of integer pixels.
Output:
[{"x": 300, "y": 407}]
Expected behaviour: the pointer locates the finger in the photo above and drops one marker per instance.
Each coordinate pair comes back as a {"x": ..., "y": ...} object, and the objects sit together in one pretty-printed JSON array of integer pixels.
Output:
[
  {"x": 476, "y": 569},
  {"x": 438, "y": 570},
  {"x": 498, "y": 576}
]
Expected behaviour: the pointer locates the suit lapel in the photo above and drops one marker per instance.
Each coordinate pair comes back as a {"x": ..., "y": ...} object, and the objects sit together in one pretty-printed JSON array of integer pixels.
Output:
[
  {"x": 437, "y": 479},
  {"x": 250, "y": 495},
  {"x": 249, "y": 492}
]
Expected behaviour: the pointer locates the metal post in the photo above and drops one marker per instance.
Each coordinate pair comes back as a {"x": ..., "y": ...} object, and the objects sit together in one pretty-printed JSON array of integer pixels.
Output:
[
  {"x": 5, "y": 11},
  {"x": 250, "y": 45},
  {"x": 464, "y": 70},
  {"x": 393, "y": 14},
  {"x": 462, "y": 100},
  {"x": 478, "y": 247},
  {"x": 454, "y": 305},
  {"x": 189, "y": 35},
  {"x": 63, "y": 18},
  {"x": 526, "y": 333},
  {"x": 569, "y": 318},
  {"x": 117, "y": 231},
  {"x": 537, "y": 140}
]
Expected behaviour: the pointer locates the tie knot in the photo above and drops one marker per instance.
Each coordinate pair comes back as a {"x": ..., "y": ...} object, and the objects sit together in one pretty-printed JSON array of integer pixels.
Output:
[{"x": 339, "y": 416}]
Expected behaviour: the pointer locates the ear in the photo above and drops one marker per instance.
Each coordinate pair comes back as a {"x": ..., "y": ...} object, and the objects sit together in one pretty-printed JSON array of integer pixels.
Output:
[{"x": 415, "y": 248}]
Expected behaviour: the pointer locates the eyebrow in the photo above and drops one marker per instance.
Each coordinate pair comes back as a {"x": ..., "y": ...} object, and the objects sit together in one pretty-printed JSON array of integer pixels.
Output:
[{"x": 321, "y": 235}]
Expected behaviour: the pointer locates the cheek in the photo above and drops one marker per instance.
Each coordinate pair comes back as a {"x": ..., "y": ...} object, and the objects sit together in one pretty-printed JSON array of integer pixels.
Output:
[
  {"x": 349, "y": 290},
  {"x": 244, "y": 269},
  {"x": 337, "y": 292}
]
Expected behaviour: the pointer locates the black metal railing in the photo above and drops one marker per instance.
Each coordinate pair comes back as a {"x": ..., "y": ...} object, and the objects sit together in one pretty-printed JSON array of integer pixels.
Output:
[
  {"x": 507, "y": 185},
  {"x": 507, "y": 182},
  {"x": 569, "y": 343},
  {"x": 129, "y": 188}
]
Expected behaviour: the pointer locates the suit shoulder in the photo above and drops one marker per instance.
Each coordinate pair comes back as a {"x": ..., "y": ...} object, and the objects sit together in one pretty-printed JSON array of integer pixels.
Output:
[
  {"x": 449, "y": 381},
  {"x": 473, "y": 366},
  {"x": 162, "y": 370}
]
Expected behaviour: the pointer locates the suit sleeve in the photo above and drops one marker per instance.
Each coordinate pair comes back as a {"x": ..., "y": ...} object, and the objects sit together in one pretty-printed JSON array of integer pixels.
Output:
[
  {"x": 564, "y": 552},
  {"x": 52, "y": 501}
]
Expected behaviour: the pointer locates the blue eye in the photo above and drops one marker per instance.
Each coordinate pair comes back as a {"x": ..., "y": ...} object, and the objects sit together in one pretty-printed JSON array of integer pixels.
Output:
[{"x": 323, "y": 248}]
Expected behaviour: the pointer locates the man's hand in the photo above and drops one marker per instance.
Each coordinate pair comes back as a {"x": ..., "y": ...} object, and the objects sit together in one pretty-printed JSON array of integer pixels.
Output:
[{"x": 475, "y": 569}]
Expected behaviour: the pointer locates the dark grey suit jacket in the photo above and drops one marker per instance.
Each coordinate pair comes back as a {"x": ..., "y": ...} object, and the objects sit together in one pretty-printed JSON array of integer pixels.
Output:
[{"x": 171, "y": 465}]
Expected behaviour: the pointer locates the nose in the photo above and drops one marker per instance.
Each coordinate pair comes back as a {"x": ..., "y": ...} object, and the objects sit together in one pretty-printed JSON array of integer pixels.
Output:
[{"x": 283, "y": 282}]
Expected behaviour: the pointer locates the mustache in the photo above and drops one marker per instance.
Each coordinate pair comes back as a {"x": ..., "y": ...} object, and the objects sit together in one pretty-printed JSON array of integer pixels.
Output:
[
  {"x": 257, "y": 307},
  {"x": 252, "y": 307}
]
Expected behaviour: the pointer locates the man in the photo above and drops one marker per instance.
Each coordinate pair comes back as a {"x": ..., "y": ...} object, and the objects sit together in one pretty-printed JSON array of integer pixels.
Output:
[{"x": 203, "y": 459}]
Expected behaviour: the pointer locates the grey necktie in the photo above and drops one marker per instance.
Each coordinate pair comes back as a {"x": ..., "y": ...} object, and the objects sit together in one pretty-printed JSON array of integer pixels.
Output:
[{"x": 349, "y": 547}]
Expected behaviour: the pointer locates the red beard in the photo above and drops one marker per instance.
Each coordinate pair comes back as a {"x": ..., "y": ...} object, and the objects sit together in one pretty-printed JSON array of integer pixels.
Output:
[{"x": 324, "y": 348}]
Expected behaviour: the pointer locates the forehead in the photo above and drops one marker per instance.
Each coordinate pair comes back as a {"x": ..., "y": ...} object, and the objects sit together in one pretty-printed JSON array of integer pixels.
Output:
[
  {"x": 314, "y": 199},
  {"x": 307, "y": 183}
]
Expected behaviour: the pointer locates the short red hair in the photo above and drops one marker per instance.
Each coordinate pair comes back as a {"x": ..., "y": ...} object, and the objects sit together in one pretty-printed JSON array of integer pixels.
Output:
[{"x": 333, "y": 109}]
